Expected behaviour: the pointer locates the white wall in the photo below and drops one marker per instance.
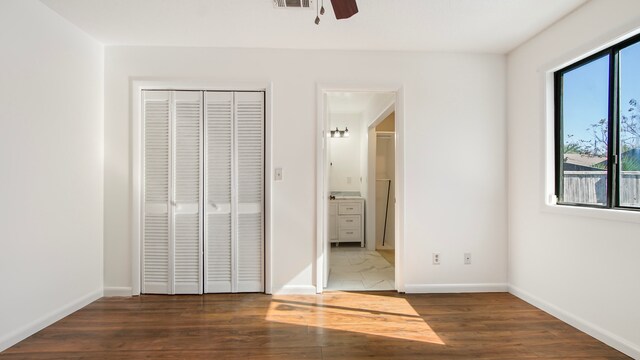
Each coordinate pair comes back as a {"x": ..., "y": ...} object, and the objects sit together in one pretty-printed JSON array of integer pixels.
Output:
[
  {"x": 364, "y": 161},
  {"x": 345, "y": 155},
  {"x": 583, "y": 269},
  {"x": 370, "y": 204},
  {"x": 454, "y": 106},
  {"x": 51, "y": 146}
]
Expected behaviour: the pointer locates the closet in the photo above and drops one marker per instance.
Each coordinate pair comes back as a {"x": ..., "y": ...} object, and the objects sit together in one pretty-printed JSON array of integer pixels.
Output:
[{"x": 203, "y": 196}]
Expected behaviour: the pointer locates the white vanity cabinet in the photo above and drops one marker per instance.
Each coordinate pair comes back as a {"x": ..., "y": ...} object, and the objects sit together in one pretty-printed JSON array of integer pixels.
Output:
[
  {"x": 346, "y": 220},
  {"x": 333, "y": 221}
]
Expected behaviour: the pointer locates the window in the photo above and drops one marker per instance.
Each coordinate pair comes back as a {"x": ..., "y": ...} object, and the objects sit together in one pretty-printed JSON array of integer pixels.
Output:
[{"x": 597, "y": 117}]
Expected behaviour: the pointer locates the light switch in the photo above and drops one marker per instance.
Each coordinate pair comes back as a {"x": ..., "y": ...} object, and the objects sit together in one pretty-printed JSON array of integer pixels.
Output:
[{"x": 278, "y": 174}]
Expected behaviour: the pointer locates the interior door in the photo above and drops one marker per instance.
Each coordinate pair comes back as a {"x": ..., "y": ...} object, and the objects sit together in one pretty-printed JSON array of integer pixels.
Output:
[
  {"x": 234, "y": 173},
  {"x": 330, "y": 220},
  {"x": 249, "y": 152},
  {"x": 218, "y": 179},
  {"x": 203, "y": 206},
  {"x": 187, "y": 192},
  {"x": 156, "y": 250},
  {"x": 172, "y": 204}
]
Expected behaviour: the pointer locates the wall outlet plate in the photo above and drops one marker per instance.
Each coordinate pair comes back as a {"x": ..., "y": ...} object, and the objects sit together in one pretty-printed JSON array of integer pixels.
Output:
[
  {"x": 467, "y": 258},
  {"x": 436, "y": 258}
]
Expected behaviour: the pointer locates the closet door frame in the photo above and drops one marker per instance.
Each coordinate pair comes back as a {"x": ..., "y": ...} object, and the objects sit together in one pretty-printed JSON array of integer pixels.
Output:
[{"x": 137, "y": 151}]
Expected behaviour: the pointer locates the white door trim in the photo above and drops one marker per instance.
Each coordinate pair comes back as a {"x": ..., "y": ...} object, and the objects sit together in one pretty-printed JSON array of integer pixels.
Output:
[
  {"x": 137, "y": 85},
  {"x": 322, "y": 199}
]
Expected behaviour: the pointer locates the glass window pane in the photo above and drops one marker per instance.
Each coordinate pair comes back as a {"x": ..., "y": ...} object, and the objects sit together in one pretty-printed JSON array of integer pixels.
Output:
[
  {"x": 629, "y": 163},
  {"x": 585, "y": 129}
]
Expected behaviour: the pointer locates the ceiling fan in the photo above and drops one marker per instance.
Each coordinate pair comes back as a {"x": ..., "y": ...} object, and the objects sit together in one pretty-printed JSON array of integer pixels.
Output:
[{"x": 343, "y": 9}]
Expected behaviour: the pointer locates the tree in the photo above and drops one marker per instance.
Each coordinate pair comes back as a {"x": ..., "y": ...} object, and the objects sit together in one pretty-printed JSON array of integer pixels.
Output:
[
  {"x": 630, "y": 127},
  {"x": 595, "y": 147},
  {"x": 598, "y": 145},
  {"x": 572, "y": 148},
  {"x": 629, "y": 164}
]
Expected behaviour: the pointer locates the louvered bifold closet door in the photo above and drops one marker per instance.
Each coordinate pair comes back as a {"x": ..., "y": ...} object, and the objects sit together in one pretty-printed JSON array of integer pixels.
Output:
[
  {"x": 156, "y": 249},
  {"x": 249, "y": 152},
  {"x": 187, "y": 203},
  {"x": 219, "y": 222},
  {"x": 234, "y": 173}
]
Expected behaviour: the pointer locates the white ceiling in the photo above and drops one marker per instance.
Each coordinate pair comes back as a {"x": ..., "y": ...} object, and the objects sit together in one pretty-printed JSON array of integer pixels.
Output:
[
  {"x": 494, "y": 26},
  {"x": 356, "y": 102}
]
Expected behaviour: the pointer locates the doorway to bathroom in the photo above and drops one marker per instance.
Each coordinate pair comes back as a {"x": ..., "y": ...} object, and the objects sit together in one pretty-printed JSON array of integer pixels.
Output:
[{"x": 359, "y": 189}]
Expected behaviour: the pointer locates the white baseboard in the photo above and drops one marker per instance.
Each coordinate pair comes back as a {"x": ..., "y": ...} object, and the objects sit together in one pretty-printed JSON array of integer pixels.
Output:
[
  {"x": 296, "y": 290},
  {"x": 37, "y": 325},
  {"x": 597, "y": 332},
  {"x": 453, "y": 288},
  {"x": 117, "y": 291}
]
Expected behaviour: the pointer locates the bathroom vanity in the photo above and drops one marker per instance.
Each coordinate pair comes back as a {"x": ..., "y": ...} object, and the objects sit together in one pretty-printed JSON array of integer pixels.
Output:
[{"x": 346, "y": 218}]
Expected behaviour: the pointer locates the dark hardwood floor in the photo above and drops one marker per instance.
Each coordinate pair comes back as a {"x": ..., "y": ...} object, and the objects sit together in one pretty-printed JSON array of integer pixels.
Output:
[{"x": 376, "y": 325}]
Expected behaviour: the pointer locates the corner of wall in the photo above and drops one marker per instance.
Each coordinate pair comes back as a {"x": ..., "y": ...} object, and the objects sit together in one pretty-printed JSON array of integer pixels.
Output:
[
  {"x": 579, "y": 323},
  {"x": 48, "y": 319}
]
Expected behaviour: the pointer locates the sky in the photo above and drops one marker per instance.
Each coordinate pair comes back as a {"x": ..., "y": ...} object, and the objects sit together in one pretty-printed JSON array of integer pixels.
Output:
[{"x": 585, "y": 92}]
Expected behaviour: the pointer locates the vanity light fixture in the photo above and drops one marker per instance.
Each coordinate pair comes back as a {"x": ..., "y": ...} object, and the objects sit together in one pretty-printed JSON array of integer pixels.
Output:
[{"x": 337, "y": 133}]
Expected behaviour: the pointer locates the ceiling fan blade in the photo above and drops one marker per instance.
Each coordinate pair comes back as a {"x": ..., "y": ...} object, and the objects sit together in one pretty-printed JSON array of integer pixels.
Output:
[{"x": 344, "y": 9}]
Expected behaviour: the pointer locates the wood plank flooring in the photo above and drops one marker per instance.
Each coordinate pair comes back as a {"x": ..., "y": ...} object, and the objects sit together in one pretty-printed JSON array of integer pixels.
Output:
[{"x": 338, "y": 325}]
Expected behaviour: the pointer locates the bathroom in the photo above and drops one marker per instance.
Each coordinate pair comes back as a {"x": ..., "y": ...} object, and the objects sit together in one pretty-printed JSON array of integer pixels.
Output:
[{"x": 361, "y": 209}]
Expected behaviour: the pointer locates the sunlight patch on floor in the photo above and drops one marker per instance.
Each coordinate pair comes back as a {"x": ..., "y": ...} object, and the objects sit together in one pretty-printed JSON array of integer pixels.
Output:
[{"x": 361, "y": 313}]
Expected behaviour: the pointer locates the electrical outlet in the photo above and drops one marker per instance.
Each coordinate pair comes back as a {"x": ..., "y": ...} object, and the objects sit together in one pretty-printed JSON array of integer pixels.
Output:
[
  {"x": 436, "y": 258},
  {"x": 278, "y": 174},
  {"x": 467, "y": 258}
]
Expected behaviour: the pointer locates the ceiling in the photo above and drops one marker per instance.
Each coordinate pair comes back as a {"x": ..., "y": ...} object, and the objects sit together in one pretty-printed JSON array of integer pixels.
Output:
[
  {"x": 492, "y": 26},
  {"x": 357, "y": 102}
]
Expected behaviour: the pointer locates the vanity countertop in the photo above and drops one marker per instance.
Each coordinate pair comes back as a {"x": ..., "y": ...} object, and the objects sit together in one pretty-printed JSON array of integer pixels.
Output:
[{"x": 345, "y": 195}]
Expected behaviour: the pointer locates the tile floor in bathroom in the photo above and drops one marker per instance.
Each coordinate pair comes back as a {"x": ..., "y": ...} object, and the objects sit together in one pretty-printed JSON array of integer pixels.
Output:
[{"x": 356, "y": 268}]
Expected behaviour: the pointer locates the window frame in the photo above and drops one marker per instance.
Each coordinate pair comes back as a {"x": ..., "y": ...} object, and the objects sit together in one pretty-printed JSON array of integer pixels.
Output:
[{"x": 613, "y": 123}]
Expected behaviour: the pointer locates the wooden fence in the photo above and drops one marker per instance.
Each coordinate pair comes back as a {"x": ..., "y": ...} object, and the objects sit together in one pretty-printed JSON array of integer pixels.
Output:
[{"x": 590, "y": 187}]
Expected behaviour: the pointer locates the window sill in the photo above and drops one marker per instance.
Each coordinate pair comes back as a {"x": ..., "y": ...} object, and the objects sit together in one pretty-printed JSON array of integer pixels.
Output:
[{"x": 602, "y": 214}]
